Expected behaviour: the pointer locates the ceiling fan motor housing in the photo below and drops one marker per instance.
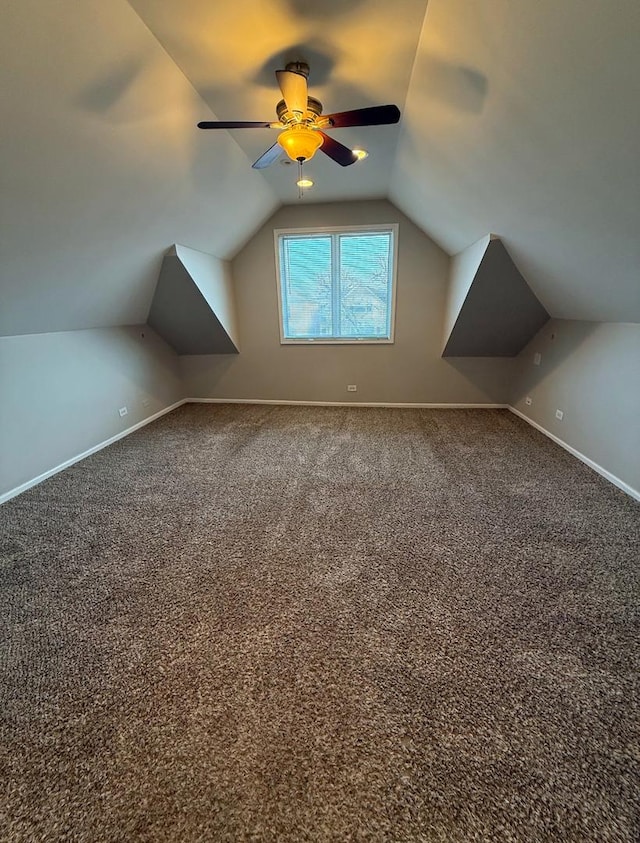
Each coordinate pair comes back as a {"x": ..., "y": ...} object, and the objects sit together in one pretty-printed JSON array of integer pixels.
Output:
[{"x": 314, "y": 110}]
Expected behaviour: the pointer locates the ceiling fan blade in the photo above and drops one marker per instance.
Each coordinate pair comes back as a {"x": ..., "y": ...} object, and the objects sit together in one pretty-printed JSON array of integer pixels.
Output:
[
  {"x": 272, "y": 154},
  {"x": 375, "y": 115},
  {"x": 337, "y": 151},
  {"x": 294, "y": 90},
  {"x": 232, "y": 124}
]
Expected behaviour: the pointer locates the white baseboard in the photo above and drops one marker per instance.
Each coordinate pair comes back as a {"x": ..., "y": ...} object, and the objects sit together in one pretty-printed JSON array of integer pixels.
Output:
[
  {"x": 34, "y": 482},
  {"x": 24, "y": 486},
  {"x": 634, "y": 493},
  {"x": 347, "y": 404}
]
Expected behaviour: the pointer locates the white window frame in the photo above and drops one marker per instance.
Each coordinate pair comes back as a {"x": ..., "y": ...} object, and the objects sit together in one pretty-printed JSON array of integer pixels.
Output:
[{"x": 339, "y": 229}]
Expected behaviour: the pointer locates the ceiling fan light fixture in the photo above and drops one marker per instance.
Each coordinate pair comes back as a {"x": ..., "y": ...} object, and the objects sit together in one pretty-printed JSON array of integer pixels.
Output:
[
  {"x": 300, "y": 142},
  {"x": 301, "y": 123}
]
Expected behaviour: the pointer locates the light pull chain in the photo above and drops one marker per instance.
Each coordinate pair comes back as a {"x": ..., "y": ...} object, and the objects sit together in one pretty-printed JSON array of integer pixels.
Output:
[{"x": 299, "y": 178}]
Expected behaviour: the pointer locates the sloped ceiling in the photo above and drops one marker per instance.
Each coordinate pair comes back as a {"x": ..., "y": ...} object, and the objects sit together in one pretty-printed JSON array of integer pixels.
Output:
[
  {"x": 523, "y": 119},
  {"x": 101, "y": 169},
  {"x": 520, "y": 118}
]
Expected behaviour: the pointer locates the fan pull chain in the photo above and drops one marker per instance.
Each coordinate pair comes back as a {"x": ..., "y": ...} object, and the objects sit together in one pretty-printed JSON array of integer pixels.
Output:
[{"x": 300, "y": 188}]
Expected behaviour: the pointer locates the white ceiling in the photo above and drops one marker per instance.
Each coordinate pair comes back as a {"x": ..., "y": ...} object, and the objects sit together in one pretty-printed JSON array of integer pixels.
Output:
[
  {"x": 519, "y": 118},
  {"x": 101, "y": 169},
  {"x": 523, "y": 119}
]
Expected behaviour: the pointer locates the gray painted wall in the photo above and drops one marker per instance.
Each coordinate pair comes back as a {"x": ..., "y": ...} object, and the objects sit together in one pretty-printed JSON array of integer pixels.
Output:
[
  {"x": 462, "y": 271},
  {"x": 590, "y": 371},
  {"x": 500, "y": 314},
  {"x": 182, "y": 311},
  {"x": 213, "y": 278},
  {"x": 61, "y": 393},
  {"x": 411, "y": 370}
]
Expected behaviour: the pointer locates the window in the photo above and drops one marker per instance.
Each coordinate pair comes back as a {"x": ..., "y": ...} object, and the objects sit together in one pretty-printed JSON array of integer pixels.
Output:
[{"x": 336, "y": 285}]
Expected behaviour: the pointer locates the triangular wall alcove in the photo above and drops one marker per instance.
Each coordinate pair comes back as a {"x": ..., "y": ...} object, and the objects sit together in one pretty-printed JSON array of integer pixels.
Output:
[
  {"x": 193, "y": 307},
  {"x": 491, "y": 310}
]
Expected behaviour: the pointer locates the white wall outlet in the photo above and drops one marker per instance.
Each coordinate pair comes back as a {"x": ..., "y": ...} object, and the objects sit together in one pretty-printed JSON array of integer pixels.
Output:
[
  {"x": 123, "y": 411},
  {"x": 351, "y": 387},
  {"x": 528, "y": 401},
  {"x": 559, "y": 414},
  {"x": 537, "y": 358}
]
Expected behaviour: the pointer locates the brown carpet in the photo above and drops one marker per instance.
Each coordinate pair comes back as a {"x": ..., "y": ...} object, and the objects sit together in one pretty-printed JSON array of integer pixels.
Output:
[{"x": 321, "y": 624}]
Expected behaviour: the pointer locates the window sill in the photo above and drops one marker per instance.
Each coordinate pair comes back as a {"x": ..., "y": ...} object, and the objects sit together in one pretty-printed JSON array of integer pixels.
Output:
[{"x": 363, "y": 341}]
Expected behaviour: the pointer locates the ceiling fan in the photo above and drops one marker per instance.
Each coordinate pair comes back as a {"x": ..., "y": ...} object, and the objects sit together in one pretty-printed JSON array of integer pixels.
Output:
[{"x": 302, "y": 122}]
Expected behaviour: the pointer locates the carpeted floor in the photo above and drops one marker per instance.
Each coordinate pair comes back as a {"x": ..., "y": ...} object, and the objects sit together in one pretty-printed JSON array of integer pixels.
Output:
[{"x": 321, "y": 624}]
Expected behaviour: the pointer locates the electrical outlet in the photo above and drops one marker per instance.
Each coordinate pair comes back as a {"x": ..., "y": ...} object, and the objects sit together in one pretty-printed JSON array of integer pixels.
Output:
[
  {"x": 537, "y": 358},
  {"x": 123, "y": 411},
  {"x": 351, "y": 387},
  {"x": 559, "y": 415},
  {"x": 528, "y": 401}
]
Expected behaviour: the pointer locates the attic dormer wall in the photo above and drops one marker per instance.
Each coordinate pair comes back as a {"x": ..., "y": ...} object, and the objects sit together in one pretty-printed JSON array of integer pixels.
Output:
[
  {"x": 411, "y": 370},
  {"x": 589, "y": 371},
  {"x": 62, "y": 393}
]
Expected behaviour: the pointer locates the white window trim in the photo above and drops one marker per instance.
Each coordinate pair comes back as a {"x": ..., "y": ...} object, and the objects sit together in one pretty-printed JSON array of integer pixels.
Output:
[{"x": 341, "y": 229}]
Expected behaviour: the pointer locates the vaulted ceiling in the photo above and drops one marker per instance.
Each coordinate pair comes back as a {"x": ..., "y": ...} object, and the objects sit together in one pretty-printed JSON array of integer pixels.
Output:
[{"x": 518, "y": 118}]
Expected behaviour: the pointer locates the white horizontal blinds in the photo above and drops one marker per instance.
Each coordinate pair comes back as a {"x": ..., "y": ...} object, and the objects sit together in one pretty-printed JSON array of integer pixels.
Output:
[
  {"x": 336, "y": 285},
  {"x": 365, "y": 284},
  {"x": 305, "y": 275}
]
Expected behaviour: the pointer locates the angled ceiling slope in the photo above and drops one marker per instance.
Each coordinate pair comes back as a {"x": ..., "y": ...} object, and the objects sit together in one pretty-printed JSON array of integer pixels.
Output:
[
  {"x": 102, "y": 167},
  {"x": 524, "y": 118},
  {"x": 193, "y": 307},
  {"x": 491, "y": 311}
]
